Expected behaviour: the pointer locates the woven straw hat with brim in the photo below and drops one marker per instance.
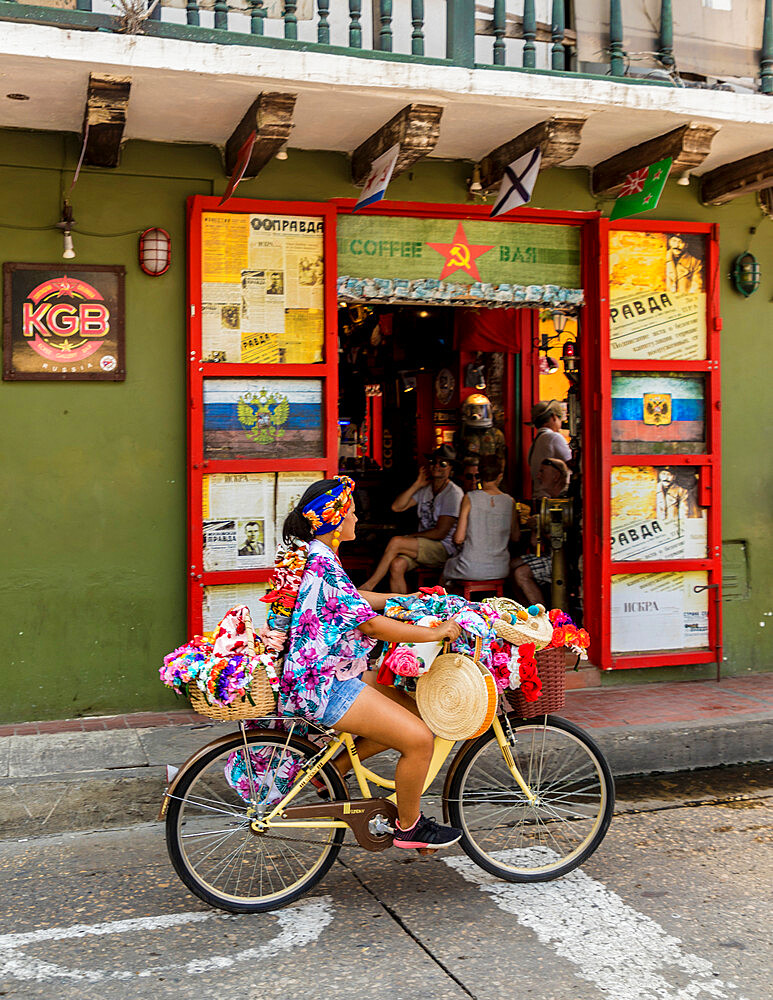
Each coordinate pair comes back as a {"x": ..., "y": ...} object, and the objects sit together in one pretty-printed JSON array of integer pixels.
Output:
[{"x": 544, "y": 409}]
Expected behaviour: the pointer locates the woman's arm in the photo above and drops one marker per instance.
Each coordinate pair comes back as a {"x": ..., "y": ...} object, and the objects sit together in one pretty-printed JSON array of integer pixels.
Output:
[
  {"x": 375, "y": 600},
  {"x": 392, "y": 630},
  {"x": 464, "y": 514},
  {"x": 515, "y": 524}
]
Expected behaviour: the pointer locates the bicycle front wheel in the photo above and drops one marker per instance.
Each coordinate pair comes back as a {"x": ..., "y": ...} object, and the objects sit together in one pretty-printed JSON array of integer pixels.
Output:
[
  {"x": 210, "y": 840},
  {"x": 532, "y": 841}
]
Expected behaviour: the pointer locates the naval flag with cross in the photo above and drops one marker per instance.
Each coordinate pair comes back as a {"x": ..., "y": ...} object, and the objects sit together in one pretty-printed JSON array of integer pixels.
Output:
[
  {"x": 641, "y": 190},
  {"x": 518, "y": 182}
]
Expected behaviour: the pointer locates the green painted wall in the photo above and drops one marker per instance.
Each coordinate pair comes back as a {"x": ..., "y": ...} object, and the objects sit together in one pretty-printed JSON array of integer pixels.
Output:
[{"x": 93, "y": 479}]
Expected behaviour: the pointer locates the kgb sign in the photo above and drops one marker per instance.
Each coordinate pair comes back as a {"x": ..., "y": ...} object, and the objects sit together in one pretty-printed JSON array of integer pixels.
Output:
[{"x": 63, "y": 322}]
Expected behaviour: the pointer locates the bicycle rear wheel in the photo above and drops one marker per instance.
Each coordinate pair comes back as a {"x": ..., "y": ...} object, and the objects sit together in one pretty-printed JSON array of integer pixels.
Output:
[
  {"x": 209, "y": 836},
  {"x": 522, "y": 841}
]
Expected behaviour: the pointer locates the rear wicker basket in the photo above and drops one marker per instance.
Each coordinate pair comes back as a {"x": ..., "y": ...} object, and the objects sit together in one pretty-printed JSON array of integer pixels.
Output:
[
  {"x": 551, "y": 668},
  {"x": 260, "y": 692}
]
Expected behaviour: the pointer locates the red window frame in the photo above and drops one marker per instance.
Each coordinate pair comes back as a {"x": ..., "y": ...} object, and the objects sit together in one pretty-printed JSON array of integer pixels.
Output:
[
  {"x": 327, "y": 371},
  {"x": 600, "y": 565}
]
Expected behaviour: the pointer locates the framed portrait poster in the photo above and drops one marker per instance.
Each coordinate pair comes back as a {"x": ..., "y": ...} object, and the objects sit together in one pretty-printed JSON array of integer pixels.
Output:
[{"x": 63, "y": 322}]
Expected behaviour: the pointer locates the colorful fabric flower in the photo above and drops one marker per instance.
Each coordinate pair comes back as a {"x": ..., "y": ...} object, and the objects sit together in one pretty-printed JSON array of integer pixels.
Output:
[{"x": 403, "y": 662}]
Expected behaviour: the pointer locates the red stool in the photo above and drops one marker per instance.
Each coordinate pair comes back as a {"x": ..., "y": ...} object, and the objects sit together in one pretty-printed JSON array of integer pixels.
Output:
[{"x": 493, "y": 588}]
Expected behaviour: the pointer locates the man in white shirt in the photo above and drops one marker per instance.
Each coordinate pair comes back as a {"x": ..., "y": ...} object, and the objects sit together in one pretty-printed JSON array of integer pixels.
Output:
[
  {"x": 438, "y": 501},
  {"x": 547, "y": 417}
]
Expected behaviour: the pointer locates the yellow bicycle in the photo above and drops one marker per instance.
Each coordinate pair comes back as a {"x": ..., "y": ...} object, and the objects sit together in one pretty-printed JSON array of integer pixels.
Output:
[{"x": 533, "y": 798}]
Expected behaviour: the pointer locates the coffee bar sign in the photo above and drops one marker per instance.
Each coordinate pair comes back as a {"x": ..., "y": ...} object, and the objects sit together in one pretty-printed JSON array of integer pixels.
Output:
[{"x": 63, "y": 323}]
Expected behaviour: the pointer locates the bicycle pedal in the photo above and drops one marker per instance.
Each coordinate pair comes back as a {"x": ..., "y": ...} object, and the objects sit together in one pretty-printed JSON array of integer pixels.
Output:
[{"x": 426, "y": 852}]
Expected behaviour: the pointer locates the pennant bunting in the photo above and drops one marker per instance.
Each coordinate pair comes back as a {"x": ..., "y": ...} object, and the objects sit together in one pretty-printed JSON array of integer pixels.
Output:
[
  {"x": 641, "y": 190},
  {"x": 379, "y": 177},
  {"x": 518, "y": 183}
]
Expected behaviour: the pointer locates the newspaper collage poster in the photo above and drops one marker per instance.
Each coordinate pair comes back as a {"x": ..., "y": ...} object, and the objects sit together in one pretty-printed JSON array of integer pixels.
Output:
[
  {"x": 262, "y": 292},
  {"x": 243, "y": 514},
  {"x": 657, "y": 295},
  {"x": 659, "y": 611}
]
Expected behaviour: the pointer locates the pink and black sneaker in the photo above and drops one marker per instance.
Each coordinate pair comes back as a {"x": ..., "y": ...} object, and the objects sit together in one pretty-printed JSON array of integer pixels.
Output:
[{"x": 426, "y": 833}]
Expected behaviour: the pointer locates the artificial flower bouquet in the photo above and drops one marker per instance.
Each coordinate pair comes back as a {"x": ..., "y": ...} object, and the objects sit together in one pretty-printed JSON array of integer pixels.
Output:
[{"x": 221, "y": 664}]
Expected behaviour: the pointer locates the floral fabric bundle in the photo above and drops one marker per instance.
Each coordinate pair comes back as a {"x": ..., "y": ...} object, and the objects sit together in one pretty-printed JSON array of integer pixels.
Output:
[
  {"x": 289, "y": 565},
  {"x": 410, "y": 659},
  {"x": 221, "y": 669},
  {"x": 516, "y": 667}
]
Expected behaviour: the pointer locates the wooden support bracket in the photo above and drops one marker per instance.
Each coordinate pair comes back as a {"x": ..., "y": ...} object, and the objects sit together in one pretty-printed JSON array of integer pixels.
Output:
[
  {"x": 558, "y": 138},
  {"x": 753, "y": 173},
  {"x": 270, "y": 117},
  {"x": 688, "y": 146},
  {"x": 416, "y": 128},
  {"x": 104, "y": 119}
]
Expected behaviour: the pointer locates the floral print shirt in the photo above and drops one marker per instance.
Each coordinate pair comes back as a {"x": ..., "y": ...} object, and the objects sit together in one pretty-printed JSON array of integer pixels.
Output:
[{"x": 324, "y": 640}]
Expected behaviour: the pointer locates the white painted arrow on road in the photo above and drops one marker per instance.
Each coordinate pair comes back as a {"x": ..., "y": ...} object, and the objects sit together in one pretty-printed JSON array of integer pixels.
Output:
[
  {"x": 298, "y": 925},
  {"x": 621, "y": 951}
]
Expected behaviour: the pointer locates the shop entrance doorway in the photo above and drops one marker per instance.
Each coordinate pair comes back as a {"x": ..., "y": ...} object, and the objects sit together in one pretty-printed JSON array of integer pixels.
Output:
[{"x": 414, "y": 379}]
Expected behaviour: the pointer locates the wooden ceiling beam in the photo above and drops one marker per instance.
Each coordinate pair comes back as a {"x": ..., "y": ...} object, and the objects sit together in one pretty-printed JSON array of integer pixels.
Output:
[
  {"x": 688, "y": 146},
  {"x": 104, "y": 119},
  {"x": 753, "y": 173},
  {"x": 558, "y": 138},
  {"x": 416, "y": 128},
  {"x": 270, "y": 117}
]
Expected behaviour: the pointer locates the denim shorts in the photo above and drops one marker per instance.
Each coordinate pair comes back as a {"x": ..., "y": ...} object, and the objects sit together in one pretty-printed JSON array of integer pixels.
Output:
[{"x": 343, "y": 694}]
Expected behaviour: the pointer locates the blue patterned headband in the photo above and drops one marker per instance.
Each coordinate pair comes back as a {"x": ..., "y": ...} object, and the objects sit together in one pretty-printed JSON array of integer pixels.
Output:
[{"x": 326, "y": 512}]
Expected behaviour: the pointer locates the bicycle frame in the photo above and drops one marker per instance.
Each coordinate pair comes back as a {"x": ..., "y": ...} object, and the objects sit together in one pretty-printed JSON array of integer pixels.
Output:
[{"x": 277, "y": 819}]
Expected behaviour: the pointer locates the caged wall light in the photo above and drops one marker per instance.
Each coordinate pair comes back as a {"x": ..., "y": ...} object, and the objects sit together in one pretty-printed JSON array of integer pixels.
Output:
[{"x": 155, "y": 252}]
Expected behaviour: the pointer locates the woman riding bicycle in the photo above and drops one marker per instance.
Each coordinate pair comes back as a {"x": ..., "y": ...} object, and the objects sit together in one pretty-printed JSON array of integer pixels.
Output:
[{"x": 325, "y": 677}]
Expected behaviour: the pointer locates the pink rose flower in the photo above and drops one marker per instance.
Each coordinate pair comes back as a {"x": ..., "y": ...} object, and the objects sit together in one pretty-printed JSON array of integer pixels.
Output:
[{"x": 403, "y": 661}]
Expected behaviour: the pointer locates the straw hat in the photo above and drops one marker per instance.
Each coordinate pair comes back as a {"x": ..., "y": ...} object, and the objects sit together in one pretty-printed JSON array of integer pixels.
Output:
[
  {"x": 517, "y": 630},
  {"x": 457, "y": 697}
]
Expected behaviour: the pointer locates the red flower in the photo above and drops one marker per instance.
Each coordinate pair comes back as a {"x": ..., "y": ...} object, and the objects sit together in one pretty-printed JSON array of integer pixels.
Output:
[
  {"x": 531, "y": 689},
  {"x": 559, "y": 636},
  {"x": 570, "y": 635},
  {"x": 432, "y": 590},
  {"x": 583, "y": 639},
  {"x": 527, "y": 650},
  {"x": 527, "y": 671}
]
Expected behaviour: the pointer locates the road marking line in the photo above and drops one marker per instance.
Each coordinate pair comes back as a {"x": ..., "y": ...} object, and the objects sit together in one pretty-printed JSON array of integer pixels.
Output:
[
  {"x": 298, "y": 926},
  {"x": 622, "y": 952}
]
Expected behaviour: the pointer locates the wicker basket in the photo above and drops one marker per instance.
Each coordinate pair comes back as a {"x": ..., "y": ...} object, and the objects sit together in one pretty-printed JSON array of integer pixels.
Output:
[
  {"x": 551, "y": 667},
  {"x": 260, "y": 691}
]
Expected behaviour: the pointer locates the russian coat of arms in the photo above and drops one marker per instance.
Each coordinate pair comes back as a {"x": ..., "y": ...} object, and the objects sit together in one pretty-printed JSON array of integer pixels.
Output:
[{"x": 263, "y": 415}]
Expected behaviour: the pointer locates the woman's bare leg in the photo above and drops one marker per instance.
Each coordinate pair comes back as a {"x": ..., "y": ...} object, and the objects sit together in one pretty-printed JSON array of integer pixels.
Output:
[
  {"x": 369, "y": 748},
  {"x": 384, "y": 722},
  {"x": 400, "y": 545}
]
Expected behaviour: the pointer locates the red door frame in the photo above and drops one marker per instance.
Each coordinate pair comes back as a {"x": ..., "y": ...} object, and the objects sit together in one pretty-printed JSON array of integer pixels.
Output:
[
  {"x": 327, "y": 371},
  {"x": 709, "y": 462}
]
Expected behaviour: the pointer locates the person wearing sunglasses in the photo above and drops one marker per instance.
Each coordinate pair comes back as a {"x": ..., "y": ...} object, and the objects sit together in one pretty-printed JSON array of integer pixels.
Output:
[{"x": 438, "y": 501}]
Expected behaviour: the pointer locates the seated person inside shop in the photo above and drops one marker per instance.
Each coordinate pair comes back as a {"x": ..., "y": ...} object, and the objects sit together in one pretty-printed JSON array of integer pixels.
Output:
[
  {"x": 549, "y": 442},
  {"x": 533, "y": 573},
  {"x": 438, "y": 501},
  {"x": 470, "y": 474},
  {"x": 488, "y": 522}
]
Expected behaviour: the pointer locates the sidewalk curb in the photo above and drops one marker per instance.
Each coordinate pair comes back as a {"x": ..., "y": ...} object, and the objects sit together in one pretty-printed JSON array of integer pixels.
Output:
[{"x": 33, "y": 805}]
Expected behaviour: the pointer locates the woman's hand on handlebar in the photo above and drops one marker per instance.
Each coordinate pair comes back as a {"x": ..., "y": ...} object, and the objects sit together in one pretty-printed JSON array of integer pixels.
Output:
[{"x": 450, "y": 630}]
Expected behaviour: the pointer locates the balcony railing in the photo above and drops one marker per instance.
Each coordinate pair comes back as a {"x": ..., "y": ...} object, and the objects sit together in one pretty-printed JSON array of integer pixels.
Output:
[{"x": 538, "y": 37}]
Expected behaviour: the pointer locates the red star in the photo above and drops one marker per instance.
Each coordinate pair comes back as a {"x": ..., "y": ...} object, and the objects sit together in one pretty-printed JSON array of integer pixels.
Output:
[
  {"x": 63, "y": 286},
  {"x": 459, "y": 255}
]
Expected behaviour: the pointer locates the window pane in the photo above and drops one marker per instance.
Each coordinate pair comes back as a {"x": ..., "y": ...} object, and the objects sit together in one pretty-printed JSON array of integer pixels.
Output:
[
  {"x": 655, "y": 513},
  {"x": 658, "y": 414},
  {"x": 262, "y": 291},
  {"x": 263, "y": 418},
  {"x": 657, "y": 298},
  {"x": 659, "y": 611}
]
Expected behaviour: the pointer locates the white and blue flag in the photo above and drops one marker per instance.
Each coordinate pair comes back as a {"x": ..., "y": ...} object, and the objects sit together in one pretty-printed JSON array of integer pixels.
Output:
[{"x": 518, "y": 182}]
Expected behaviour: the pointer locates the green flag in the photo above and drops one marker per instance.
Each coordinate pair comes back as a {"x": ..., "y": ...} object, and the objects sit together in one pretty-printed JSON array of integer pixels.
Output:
[{"x": 641, "y": 190}]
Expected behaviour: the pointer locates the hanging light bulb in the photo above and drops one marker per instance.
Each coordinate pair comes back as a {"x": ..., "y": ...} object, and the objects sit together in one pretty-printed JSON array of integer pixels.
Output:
[
  {"x": 282, "y": 153},
  {"x": 475, "y": 186},
  {"x": 65, "y": 224}
]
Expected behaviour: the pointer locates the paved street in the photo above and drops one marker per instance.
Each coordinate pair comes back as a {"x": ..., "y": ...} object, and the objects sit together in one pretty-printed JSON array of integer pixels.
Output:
[{"x": 675, "y": 905}]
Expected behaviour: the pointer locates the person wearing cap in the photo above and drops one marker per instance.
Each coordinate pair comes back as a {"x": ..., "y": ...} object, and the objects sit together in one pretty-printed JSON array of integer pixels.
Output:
[
  {"x": 438, "y": 501},
  {"x": 547, "y": 417}
]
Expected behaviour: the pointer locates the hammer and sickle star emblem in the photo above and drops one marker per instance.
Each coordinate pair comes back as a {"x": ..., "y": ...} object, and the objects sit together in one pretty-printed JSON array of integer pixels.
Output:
[{"x": 460, "y": 254}]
